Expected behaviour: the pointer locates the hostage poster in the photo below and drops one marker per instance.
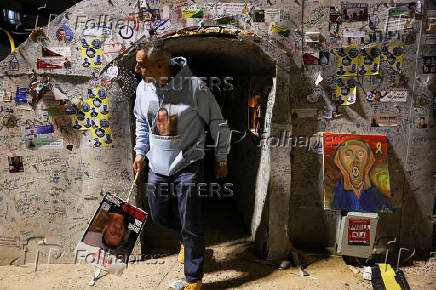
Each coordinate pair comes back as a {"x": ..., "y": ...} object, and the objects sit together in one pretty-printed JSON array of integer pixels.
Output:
[{"x": 111, "y": 234}]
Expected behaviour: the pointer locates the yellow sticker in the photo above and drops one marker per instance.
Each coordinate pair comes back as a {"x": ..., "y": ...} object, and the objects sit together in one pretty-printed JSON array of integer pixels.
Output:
[
  {"x": 93, "y": 114},
  {"x": 369, "y": 64},
  {"x": 193, "y": 13},
  {"x": 346, "y": 90},
  {"x": 92, "y": 55},
  {"x": 283, "y": 31},
  {"x": 348, "y": 61}
]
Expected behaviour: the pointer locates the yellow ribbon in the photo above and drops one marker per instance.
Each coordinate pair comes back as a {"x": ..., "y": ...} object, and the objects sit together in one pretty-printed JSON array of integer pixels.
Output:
[
  {"x": 378, "y": 148},
  {"x": 11, "y": 40}
]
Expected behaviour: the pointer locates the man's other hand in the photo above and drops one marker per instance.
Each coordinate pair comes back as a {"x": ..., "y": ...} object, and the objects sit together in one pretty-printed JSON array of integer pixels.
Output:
[
  {"x": 139, "y": 163},
  {"x": 221, "y": 170}
]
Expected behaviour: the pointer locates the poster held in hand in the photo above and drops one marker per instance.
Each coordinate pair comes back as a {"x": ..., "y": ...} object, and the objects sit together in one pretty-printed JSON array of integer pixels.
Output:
[{"x": 111, "y": 234}]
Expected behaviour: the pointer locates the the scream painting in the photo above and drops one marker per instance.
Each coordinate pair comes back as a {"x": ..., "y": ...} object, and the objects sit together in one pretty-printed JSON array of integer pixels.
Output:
[{"x": 355, "y": 171}]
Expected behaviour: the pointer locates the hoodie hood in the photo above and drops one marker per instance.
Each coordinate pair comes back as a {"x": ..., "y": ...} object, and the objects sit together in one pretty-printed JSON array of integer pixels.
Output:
[
  {"x": 181, "y": 75},
  {"x": 178, "y": 64}
]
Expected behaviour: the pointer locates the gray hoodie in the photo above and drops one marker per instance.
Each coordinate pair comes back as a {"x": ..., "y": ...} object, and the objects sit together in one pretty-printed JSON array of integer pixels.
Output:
[{"x": 171, "y": 118}]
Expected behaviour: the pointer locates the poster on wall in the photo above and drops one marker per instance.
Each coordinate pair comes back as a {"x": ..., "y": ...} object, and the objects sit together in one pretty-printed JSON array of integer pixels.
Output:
[
  {"x": 348, "y": 61},
  {"x": 355, "y": 173},
  {"x": 359, "y": 231},
  {"x": 92, "y": 55},
  {"x": 93, "y": 114},
  {"x": 353, "y": 12},
  {"x": 369, "y": 61},
  {"x": 111, "y": 234},
  {"x": 393, "y": 54},
  {"x": 398, "y": 18},
  {"x": 346, "y": 91}
]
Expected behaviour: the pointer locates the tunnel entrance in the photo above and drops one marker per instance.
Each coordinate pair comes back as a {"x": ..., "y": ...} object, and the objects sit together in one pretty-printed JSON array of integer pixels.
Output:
[{"x": 240, "y": 75}]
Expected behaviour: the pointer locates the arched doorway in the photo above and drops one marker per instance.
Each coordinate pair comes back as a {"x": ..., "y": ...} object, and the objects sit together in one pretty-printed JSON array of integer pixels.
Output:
[{"x": 234, "y": 70}]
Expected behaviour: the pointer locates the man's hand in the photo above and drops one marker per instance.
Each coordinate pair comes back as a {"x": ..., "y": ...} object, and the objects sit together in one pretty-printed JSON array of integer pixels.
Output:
[
  {"x": 139, "y": 163},
  {"x": 221, "y": 170}
]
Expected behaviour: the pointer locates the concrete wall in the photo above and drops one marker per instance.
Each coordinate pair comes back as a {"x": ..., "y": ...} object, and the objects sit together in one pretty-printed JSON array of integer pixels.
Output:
[
  {"x": 59, "y": 190},
  {"x": 50, "y": 203},
  {"x": 411, "y": 157}
]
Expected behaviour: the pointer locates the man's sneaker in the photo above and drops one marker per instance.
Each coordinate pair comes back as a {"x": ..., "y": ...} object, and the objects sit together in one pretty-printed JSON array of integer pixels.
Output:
[
  {"x": 193, "y": 286},
  {"x": 181, "y": 256}
]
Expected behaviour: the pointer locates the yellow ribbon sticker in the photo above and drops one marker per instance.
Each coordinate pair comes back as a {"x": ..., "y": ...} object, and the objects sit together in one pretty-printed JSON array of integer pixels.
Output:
[{"x": 378, "y": 148}]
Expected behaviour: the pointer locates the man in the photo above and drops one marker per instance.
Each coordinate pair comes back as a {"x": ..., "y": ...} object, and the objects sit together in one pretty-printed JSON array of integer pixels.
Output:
[
  {"x": 171, "y": 108},
  {"x": 354, "y": 191}
]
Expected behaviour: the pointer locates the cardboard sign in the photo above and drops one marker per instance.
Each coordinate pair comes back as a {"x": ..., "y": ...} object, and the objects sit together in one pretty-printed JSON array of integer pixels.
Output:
[
  {"x": 359, "y": 232},
  {"x": 111, "y": 234}
]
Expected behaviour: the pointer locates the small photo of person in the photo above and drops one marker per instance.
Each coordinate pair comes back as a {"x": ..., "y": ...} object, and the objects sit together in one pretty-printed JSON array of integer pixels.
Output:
[
  {"x": 163, "y": 122},
  {"x": 6, "y": 97},
  {"x": 60, "y": 34},
  {"x": 374, "y": 123},
  {"x": 16, "y": 164},
  {"x": 67, "y": 63},
  {"x": 421, "y": 124},
  {"x": 155, "y": 15},
  {"x": 259, "y": 15},
  {"x": 64, "y": 35}
]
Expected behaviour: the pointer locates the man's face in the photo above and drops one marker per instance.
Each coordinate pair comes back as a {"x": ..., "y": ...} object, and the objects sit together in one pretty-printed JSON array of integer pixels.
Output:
[
  {"x": 114, "y": 233},
  {"x": 354, "y": 159},
  {"x": 61, "y": 35},
  {"x": 145, "y": 67},
  {"x": 163, "y": 123}
]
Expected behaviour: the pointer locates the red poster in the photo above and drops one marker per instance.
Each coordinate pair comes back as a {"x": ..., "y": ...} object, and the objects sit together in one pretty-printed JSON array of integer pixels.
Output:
[{"x": 359, "y": 232}]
